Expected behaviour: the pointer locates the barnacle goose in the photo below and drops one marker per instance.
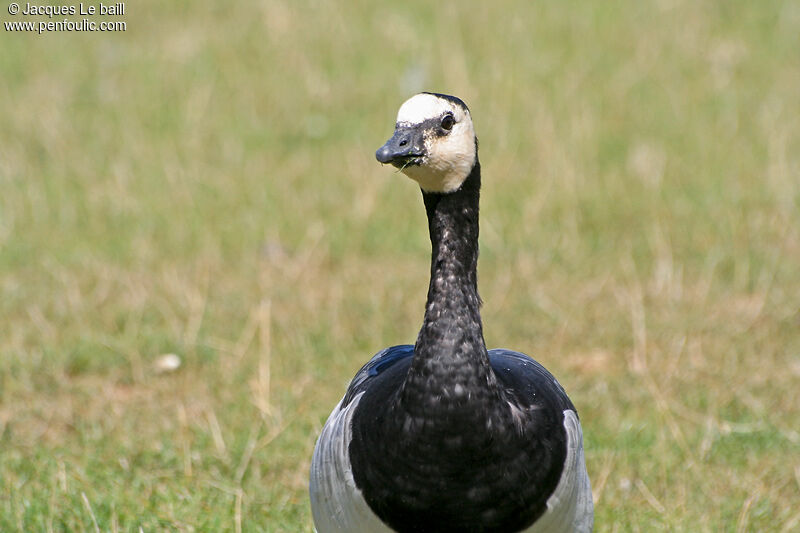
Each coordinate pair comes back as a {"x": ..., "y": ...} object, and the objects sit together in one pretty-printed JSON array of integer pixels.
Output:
[{"x": 445, "y": 436}]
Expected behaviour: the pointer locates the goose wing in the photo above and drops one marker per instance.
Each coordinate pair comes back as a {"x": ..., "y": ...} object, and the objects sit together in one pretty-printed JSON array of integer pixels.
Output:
[
  {"x": 336, "y": 502},
  {"x": 569, "y": 507}
]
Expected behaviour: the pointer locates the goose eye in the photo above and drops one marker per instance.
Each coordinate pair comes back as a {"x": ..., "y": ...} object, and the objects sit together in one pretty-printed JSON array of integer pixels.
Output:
[{"x": 447, "y": 122}]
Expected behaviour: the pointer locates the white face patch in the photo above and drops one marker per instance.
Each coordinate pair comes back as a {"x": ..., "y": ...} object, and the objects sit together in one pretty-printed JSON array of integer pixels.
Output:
[{"x": 449, "y": 157}]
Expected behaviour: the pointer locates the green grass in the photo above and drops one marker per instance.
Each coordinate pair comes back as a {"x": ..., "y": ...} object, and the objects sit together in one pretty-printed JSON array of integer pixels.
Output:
[{"x": 204, "y": 184}]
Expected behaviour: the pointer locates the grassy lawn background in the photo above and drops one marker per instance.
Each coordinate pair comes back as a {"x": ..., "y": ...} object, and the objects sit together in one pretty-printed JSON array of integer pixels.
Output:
[{"x": 204, "y": 184}]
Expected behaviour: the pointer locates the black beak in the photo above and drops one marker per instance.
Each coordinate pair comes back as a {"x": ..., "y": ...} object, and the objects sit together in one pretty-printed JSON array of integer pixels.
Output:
[{"x": 405, "y": 146}]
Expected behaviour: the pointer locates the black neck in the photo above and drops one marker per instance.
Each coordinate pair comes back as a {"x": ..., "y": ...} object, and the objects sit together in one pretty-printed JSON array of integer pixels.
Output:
[{"x": 450, "y": 355}]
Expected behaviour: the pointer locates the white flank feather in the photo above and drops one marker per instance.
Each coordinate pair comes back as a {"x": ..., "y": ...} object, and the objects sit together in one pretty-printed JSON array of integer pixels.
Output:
[
  {"x": 336, "y": 503},
  {"x": 569, "y": 508}
]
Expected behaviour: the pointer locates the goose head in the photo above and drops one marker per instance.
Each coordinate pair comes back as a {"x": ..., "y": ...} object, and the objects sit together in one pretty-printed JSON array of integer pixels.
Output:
[{"x": 434, "y": 142}]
